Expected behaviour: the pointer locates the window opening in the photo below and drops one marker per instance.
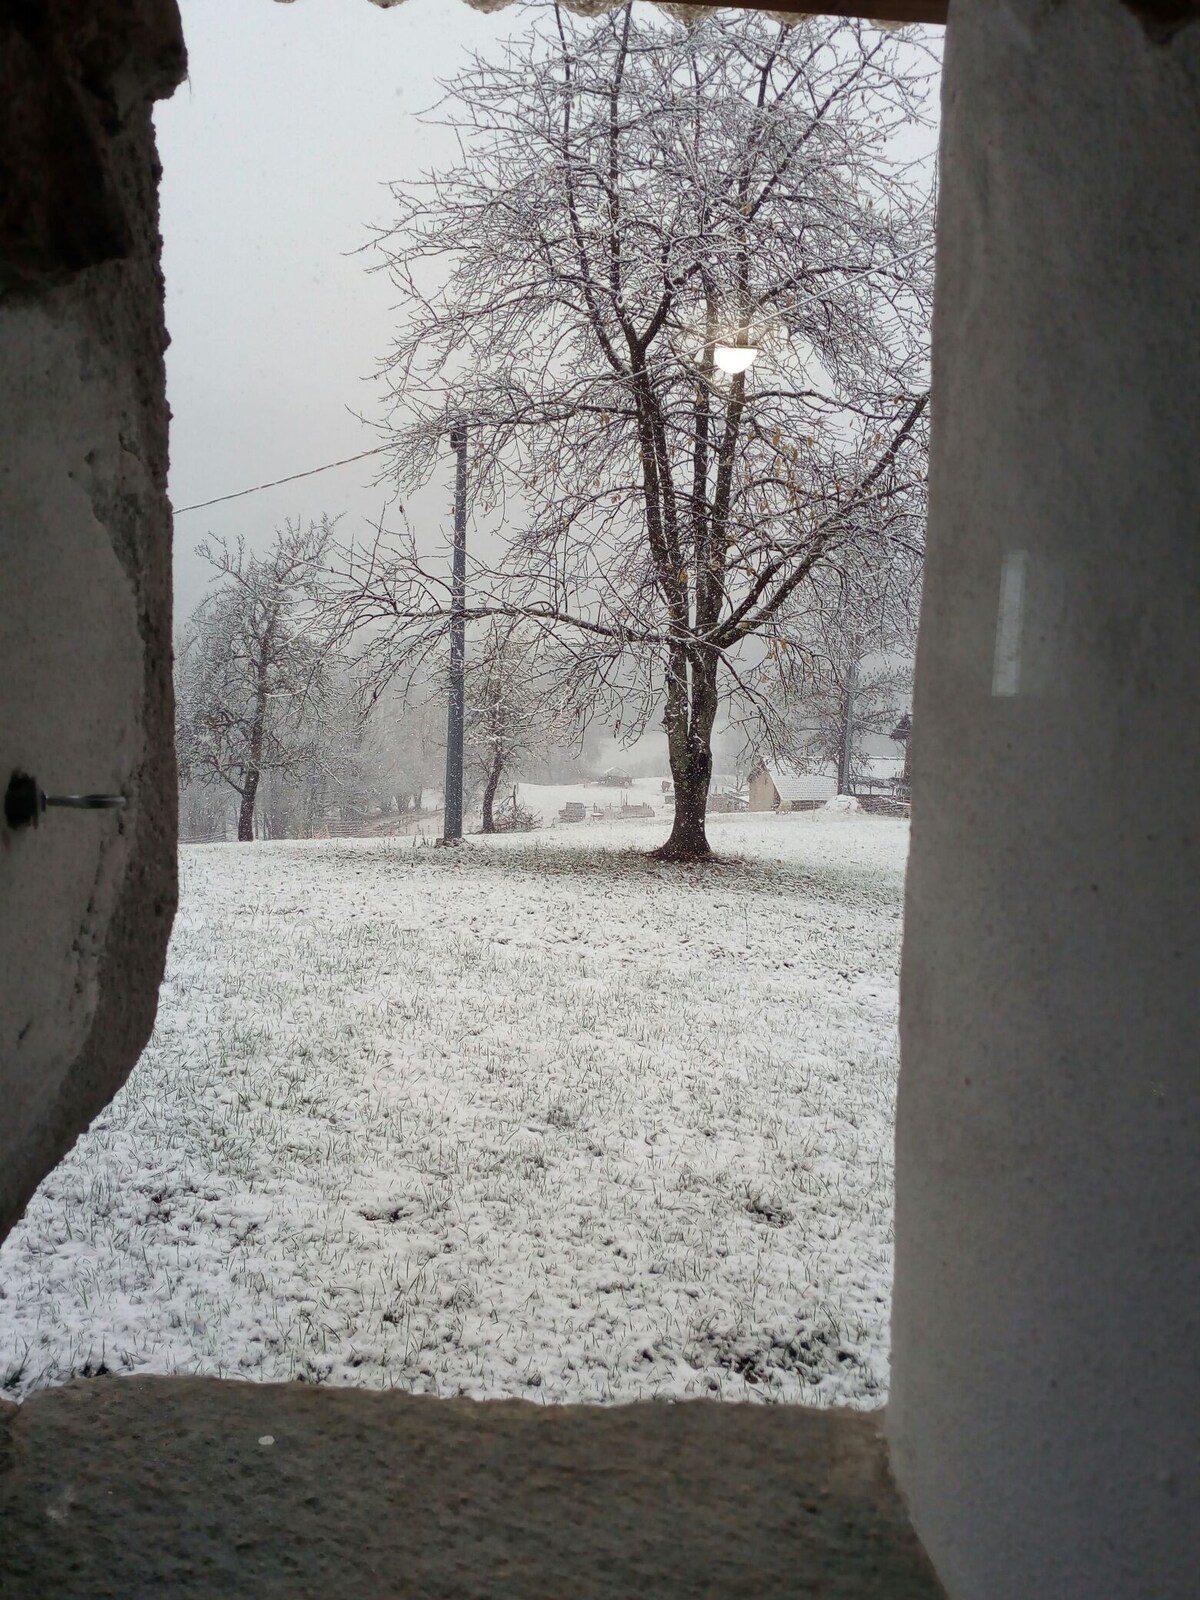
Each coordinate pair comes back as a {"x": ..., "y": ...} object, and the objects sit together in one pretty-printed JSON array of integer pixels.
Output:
[{"x": 551, "y": 1114}]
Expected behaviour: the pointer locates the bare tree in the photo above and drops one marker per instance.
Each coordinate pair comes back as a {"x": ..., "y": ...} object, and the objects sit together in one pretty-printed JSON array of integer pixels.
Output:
[
  {"x": 406, "y": 736},
  {"x": 202, "y": 813},
  {"x": 636, "y": 199},
  {"x": 514, "y": 706},
  {"x": 846, "y": 692},
  {"x": 252, "y": 668},
  {"x": 332, "y": 778},
  {"x": 901, "y": 734},
  {"x": 844, "y": 667}
]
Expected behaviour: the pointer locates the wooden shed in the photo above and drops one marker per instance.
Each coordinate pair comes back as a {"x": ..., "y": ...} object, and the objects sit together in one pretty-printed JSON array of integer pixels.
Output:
[{"x": 775, "y": 786}]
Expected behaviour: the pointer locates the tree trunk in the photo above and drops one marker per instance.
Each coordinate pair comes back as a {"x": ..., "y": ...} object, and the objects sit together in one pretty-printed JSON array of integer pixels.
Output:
[
  {"x": 246, "y": 810},
  {"x": 253, "y": 770},
  {"x": 689, "y": 724},
  {"x": 489, "y": 793},
  {"x": 688, "y": 840}
]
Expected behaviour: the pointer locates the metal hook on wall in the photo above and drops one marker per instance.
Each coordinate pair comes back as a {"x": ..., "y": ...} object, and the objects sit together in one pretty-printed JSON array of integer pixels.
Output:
[{"x": 25, "y": 801}]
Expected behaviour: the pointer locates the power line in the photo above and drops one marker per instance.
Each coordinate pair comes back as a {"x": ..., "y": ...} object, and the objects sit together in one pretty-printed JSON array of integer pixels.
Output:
[
  {"x": 275, "y": 482},
  {"x": 238, "y": 494}
]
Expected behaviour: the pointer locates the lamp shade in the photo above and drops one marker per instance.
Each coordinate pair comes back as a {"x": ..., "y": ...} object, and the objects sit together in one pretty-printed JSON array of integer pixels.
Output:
[{"x": 733, "y": 358}]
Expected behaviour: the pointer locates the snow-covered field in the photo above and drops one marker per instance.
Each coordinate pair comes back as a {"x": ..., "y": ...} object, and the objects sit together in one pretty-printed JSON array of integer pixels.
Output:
[
  {"x": 544, "y": 801},
  {"x": 534, "y": 1117}
]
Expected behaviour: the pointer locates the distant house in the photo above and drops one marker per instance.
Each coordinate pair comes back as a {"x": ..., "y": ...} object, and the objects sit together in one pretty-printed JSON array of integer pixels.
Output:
[
  {"x": 726, "y": 800},
  {"x": 775, "y": 786},
  {"x": 615, "y": 778}
]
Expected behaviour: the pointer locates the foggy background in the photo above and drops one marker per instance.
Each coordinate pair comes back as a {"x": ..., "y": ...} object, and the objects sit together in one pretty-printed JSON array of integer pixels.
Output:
[{"x": 277, "y": 151}]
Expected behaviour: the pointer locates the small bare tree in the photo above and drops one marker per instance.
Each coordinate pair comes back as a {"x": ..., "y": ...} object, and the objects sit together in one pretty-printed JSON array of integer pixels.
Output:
[
  {"x": 846, "y": 692},
  {"x": 514, "y": 705},
  {"x": 331, "y": 780},
  {"x": 843, "y": 669},
  {"x": 638, "y": 205},
  {"x": 406, "y": 735},
  {"x": 252, "y": 668}
]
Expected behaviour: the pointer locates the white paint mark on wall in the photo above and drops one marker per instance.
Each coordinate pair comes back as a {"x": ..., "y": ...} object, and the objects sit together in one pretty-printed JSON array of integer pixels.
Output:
[{"x": 1006, "y": 668}]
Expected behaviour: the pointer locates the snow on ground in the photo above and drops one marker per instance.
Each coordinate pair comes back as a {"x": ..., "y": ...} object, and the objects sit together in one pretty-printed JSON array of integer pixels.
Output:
[
  {"x": 545, "y": 800},
  {"x": 534, "y": 1117}
]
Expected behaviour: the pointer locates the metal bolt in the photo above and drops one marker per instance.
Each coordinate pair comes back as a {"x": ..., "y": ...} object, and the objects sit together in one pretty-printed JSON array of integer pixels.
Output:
[{"x": 25, "y": 801}]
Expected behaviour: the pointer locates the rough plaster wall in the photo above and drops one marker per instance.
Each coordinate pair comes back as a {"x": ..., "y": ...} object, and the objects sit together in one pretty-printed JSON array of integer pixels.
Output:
[
  {"x": 85, "y": 633},
  {"x": 145, "y": 1487},
  {"x": 1046, "y": 1385}
]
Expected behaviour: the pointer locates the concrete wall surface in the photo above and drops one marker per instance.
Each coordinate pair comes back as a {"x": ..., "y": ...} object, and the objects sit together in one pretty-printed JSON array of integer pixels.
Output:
[
  {"x": 85, "y": 630},
  {"x": 150, "y": 1488},
  {"x": 1046, "y": 1327}
]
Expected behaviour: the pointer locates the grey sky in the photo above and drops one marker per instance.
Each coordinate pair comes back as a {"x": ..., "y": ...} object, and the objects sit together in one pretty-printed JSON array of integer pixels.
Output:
[{"x": 276, "y": 153}]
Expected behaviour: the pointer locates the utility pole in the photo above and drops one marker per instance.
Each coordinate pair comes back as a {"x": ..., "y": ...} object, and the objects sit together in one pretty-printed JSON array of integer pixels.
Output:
[{"x": 452, "y": 829}]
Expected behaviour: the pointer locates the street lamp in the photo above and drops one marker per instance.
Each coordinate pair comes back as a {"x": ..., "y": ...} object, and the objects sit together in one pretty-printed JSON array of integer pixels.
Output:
[{"x": 734, "y": 358}]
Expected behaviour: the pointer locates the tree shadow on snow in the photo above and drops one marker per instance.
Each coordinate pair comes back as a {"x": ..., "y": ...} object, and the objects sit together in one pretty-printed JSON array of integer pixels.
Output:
[{"x": 865, "y": 884}]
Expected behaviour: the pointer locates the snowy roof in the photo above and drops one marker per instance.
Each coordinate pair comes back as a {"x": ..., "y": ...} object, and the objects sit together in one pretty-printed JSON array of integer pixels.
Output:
[
  {"x": 882, "y": 766},
  {"x": 793, "y": 785}
]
